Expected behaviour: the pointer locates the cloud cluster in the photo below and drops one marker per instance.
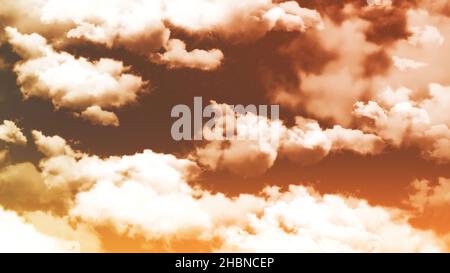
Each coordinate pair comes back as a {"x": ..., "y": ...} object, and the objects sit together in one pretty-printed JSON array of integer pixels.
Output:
[
  {"x": 74, "y": 83},
  {"x": 259, "y": 141},
  {"x": 366, "y": 75},
  {"x": 301, "y": 220},
  {"x": 360, "y": 52},
  {"x": 352, "y": 66},
  {"x": 176, "y": 56},
  {"x": 144, "y": 27},
  {"x": 403, "y": 122},
  {"x": 10, "y": 133},
  {"x": 151, "y": 196}
]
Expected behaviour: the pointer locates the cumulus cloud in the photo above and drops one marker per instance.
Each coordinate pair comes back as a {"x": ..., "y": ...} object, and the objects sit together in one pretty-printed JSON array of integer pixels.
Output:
[
  {"x": 144, "y": 27},
  {"x": 9, "y": 132},
  {"x": 152, "y": 196},
  {"x": 301, "y": 220},
  {"x": 145, "y": 193},
  {"x": 355, "y": 141},
  {"x": 236, "y": 138},
  {"x": 290, "y": 16},
  {"x": 403, "y": 122},
  {"x": 51, "y": 146},
  {"x": 123, "y": 22},
  {"x": 69, "y": 82},
  {"x": 97, "y": 115},
  {"x": 269, "y": 222},
  {"x": 17, "y": 235},
  {"x": 176, "y": 56},
  {"x": 258, "y": 141}
]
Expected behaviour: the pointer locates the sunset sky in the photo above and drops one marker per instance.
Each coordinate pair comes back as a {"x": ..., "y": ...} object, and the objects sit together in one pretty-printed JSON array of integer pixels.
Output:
[{"x": 361, "y": 161}]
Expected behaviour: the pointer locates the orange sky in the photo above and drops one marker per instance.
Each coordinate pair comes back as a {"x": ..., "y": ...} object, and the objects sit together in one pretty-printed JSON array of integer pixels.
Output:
[{"x": 88, "y": 163}]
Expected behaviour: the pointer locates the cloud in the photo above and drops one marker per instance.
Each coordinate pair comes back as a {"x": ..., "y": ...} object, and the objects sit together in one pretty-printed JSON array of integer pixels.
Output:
[
  {"x": 145, "y": 194},
  {"x": 403, "y": 122},
  {"x": 339, "y": 83},
  {"x": 404, "y": 64},
  {"x": 342, "y": 78},
  {"x": 301, "y": 220},
  {"x": 354, "y": 58},
  {"x": 64, "y": 228},
  {"x": 427, "y": 44},
  {"x": 152, "y": 196},
  {"x": 343, "y": 139},
  {"x": 51, "y": 146},
  {"x": 426, "y": 36},
  {"x": 124, "y": 21},
  {"x": 144, "y": 27},
  {"x": 97, "y": 115},
  {"x": 429, "y": 201},
  {"x": 437, "y": 103},
  {"x": 69, "y": 82},
  {"x": 9, "y": 132},
  {"x": 176, "y": 56},
  {"x": 269, "y": 222},
  {"x": 424, "y": 195},
  {"x": 22, "y": 188},
  {"x": 258, "y": 141},
  {"x": 290, "y": 16},
  {"x": 18, "y": 236}
]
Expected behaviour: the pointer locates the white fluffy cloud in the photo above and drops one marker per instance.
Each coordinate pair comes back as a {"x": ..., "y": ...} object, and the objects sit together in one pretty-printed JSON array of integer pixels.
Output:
[
  {"x": 9, "y": 132},
  {"x": 51, "y": 146},
  {"x": 69, "y": 82},
  {"x": 403, "y": 122},
  {"x": 176, "y": 56},
  {"x": 301, "y": 220},
  {"x": 150, "y": 195},
  {"x": 97, "y": 115},
  {"x": 256, "y": 142},
  {"x": 124, "y": 21},
  {"x": 259, "y": 141},
  {"x": 144, "y": 27}
]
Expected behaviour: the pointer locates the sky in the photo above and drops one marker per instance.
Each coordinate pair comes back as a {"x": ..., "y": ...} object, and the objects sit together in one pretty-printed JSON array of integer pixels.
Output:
[{"x": 358, "y": 160}]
